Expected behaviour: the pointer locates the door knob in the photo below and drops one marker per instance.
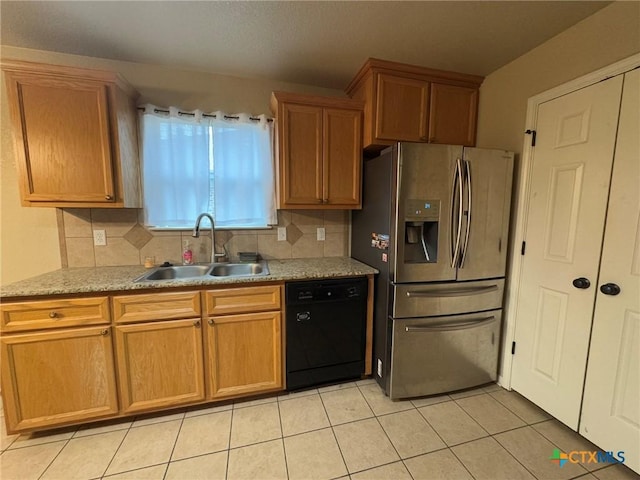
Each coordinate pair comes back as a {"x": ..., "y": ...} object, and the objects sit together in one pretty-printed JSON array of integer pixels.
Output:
[
  {"x": 582, "y": 283},
  {"x": 610, "y": 289}
]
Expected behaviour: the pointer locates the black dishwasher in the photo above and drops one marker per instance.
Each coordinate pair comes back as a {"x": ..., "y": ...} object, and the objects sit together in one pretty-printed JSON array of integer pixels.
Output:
[{"x": 326, "y": 325}]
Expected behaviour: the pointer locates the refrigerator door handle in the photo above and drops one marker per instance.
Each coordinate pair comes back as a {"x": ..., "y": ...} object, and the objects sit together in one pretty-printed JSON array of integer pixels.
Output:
[
  {"x": 456, "y": 189},
  {"x": 455, "y": 292},
  {"x": 467, "y": 170},
  {"x": 476, "y": 322}
]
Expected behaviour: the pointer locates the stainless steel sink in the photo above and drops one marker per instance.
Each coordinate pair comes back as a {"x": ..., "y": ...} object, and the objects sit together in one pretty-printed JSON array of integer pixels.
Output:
[
  {"x": 239, "y": 269},
  {"x": 190, "y": 272},
  {"x": 176, "y": 272}
]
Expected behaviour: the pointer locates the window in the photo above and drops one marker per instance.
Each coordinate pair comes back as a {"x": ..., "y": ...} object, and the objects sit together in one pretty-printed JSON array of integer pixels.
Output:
[{"x": 194, "y": 163}]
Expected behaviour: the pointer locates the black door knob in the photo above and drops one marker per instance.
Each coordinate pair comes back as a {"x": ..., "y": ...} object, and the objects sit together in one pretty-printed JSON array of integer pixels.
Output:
[
  {"x": 581, "y": 283},
  {"x": 610, "y": 289}
]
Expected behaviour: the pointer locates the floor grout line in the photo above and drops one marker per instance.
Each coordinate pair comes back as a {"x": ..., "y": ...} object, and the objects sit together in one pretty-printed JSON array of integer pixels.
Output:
[{"x": 369, "y": 403}]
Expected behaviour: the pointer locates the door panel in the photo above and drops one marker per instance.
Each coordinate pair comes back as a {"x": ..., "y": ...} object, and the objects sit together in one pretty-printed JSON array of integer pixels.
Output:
[
  {"x": 58, "y": 377},
  {"x": 160, "y": 364},
  {"x": 342, "y": 144},
  {"x": 565, "y": 219},
  {"x": 301, "y": 142},
  {"x": 611, "y": 407},
  {"x": 430, "y": 299},
  {"x": 426, "y": 174},
  {"x": 401, "y": 109},
  {"x": 453, "y": 111},
  {"x": 82, "y": 146},
  {"x": 442, "y": 354},
  {"x": 490, "y": 175}
]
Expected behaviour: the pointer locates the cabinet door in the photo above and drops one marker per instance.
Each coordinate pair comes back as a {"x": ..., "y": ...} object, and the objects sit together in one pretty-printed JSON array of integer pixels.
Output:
[
  {"x": 342, "y": 145},
  {"x": 401, "y": 109},
  {"x": 301, "y": 155},
  {"x": 55, "y": 378},
  {"x": 244, "y": 354},
  {"x": 63, "y": 141},
  {"x": 160, "y": 364},
  {"x": 452, "y": 114}
]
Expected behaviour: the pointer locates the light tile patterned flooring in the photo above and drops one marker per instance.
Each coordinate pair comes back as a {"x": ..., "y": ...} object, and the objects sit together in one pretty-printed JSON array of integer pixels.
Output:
[{"x": 348, "y": 431}]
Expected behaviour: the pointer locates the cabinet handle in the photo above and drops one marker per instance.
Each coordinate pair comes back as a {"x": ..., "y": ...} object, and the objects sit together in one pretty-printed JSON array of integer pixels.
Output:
[
  {"x": 321, "y": 200},
  {"x": 196, "y": 323},
  {"x": 108, "y": 197},
  {"x": 53, "y": 315},
  {"x": 104, "y": 332},
  {"x": 210, "y": 321}
]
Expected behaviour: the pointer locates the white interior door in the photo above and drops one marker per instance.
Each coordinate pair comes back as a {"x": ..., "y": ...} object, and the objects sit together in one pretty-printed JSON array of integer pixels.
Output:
[
  {"x": 611, "y": 406},
  {"x": 565, "y": 221}
]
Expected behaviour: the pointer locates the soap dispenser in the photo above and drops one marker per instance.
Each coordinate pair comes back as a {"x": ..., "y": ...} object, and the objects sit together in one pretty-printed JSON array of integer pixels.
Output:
[{"x": 187, "y": 253}]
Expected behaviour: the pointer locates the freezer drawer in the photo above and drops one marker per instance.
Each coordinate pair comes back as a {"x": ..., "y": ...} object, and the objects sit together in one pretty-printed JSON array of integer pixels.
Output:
[
  {"x": 432, "y": 299},
  {"x": 442, "y": 354}
]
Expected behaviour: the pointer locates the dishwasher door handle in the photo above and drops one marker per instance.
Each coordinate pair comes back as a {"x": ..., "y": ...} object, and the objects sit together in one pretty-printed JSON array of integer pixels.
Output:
[{"x": 472, "y": 323}]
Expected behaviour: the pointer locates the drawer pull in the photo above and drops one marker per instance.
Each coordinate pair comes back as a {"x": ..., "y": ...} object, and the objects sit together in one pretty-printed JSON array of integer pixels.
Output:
[
  {"x": 477, "y": 322},
  {"x": 104, "y": 332},
  {"x": 53, "y": 315},
  {"x": 196, "y": 323},
  {"x": 454, "y": 292},
  {"x": 210, "y": 321}
]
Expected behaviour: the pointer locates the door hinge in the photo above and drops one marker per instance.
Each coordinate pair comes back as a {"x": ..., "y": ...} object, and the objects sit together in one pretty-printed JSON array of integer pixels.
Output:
[
  {"x": 533, "y": 136},
  {"x": 513, "y": 348},
  {"x": 523, "y": 248}
]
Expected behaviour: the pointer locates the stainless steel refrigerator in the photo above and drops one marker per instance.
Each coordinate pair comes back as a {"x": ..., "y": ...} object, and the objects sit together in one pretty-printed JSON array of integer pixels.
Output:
[{"x": 434, "y": 222}]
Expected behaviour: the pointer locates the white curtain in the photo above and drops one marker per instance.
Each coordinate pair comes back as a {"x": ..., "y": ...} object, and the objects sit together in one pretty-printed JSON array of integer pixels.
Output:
[
  {"x": 243, "y": 181},
  {"x": 193, "y": 164}
]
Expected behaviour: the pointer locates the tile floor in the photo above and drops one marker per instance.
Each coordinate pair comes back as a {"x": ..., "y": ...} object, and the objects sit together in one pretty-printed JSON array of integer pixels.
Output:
[{"x": 348, "y": 431}]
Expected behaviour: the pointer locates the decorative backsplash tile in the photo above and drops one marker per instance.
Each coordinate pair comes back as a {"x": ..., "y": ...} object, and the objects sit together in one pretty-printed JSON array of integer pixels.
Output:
[{"x": 129, "y": 242}]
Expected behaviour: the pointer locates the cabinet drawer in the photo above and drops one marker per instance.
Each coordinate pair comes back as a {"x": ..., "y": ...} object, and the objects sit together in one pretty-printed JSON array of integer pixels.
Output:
[
  {"x": 242, "y": 300},
  {"x": 54, "y": 314},
  {"x": 156, "y": 306}
]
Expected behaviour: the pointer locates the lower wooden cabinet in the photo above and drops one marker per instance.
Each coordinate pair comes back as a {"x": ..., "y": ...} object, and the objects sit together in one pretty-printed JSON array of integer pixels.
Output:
[
  {"x": 153, "y": 352},
  {"x": 160, "y": 364},
  {"x": 244, "y": 354},
  {"x": 59, "y": 377}
]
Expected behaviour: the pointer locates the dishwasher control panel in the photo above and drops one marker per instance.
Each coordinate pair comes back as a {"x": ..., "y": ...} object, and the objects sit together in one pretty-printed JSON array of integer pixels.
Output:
[{"x": 325, "y": 290}]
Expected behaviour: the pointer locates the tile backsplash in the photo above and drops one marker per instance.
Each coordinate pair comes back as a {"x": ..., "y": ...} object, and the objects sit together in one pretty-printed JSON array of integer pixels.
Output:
[{"x": 129, "y": 242}]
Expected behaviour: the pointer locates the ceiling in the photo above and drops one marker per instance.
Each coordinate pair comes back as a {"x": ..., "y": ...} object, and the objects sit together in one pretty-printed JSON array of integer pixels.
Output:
[{"x": 320, "y": 43}]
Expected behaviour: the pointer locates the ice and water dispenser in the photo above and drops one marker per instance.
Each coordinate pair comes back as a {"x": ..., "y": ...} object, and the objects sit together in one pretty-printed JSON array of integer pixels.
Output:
[{"x": 421, "y": 218}]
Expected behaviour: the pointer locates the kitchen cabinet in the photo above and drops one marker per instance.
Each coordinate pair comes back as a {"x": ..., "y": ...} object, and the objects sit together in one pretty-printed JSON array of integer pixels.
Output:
[
  {"x": 159, "y": 361},
  {"x": 319, "y": 151},
  {"x": 60, "y": 375},
  {"x": 415, "y": 104},
  {"x": 75, "y": 136},
  {"x": 244, "y": 341}
]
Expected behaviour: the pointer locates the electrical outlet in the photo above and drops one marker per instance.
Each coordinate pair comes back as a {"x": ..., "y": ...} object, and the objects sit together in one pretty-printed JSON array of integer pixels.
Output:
[
  {"x": 99, "y": 238},
  {"x": 320, "y": 234},
  {"x": 380, "y": 368},
  {"x": 282, "y": 234}
]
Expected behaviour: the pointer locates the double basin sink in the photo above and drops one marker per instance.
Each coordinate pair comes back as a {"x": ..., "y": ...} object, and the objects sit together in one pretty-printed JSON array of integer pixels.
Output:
[{"x": 213, "y": 270}]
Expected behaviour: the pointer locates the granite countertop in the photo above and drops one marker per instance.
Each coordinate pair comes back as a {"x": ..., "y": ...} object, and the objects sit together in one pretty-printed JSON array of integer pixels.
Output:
[{"x": 68, "y": 281}]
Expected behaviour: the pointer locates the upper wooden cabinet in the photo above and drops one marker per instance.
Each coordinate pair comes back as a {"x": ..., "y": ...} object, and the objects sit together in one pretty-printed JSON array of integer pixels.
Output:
[
  {"x": 319, "y": 151},
  {"x": 75, "y": 134},
  {"x": 415, "y": 104}
]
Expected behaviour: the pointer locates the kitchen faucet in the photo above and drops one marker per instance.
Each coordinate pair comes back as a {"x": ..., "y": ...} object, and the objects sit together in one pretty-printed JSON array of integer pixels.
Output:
[{"x": 196, "y": 234}]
